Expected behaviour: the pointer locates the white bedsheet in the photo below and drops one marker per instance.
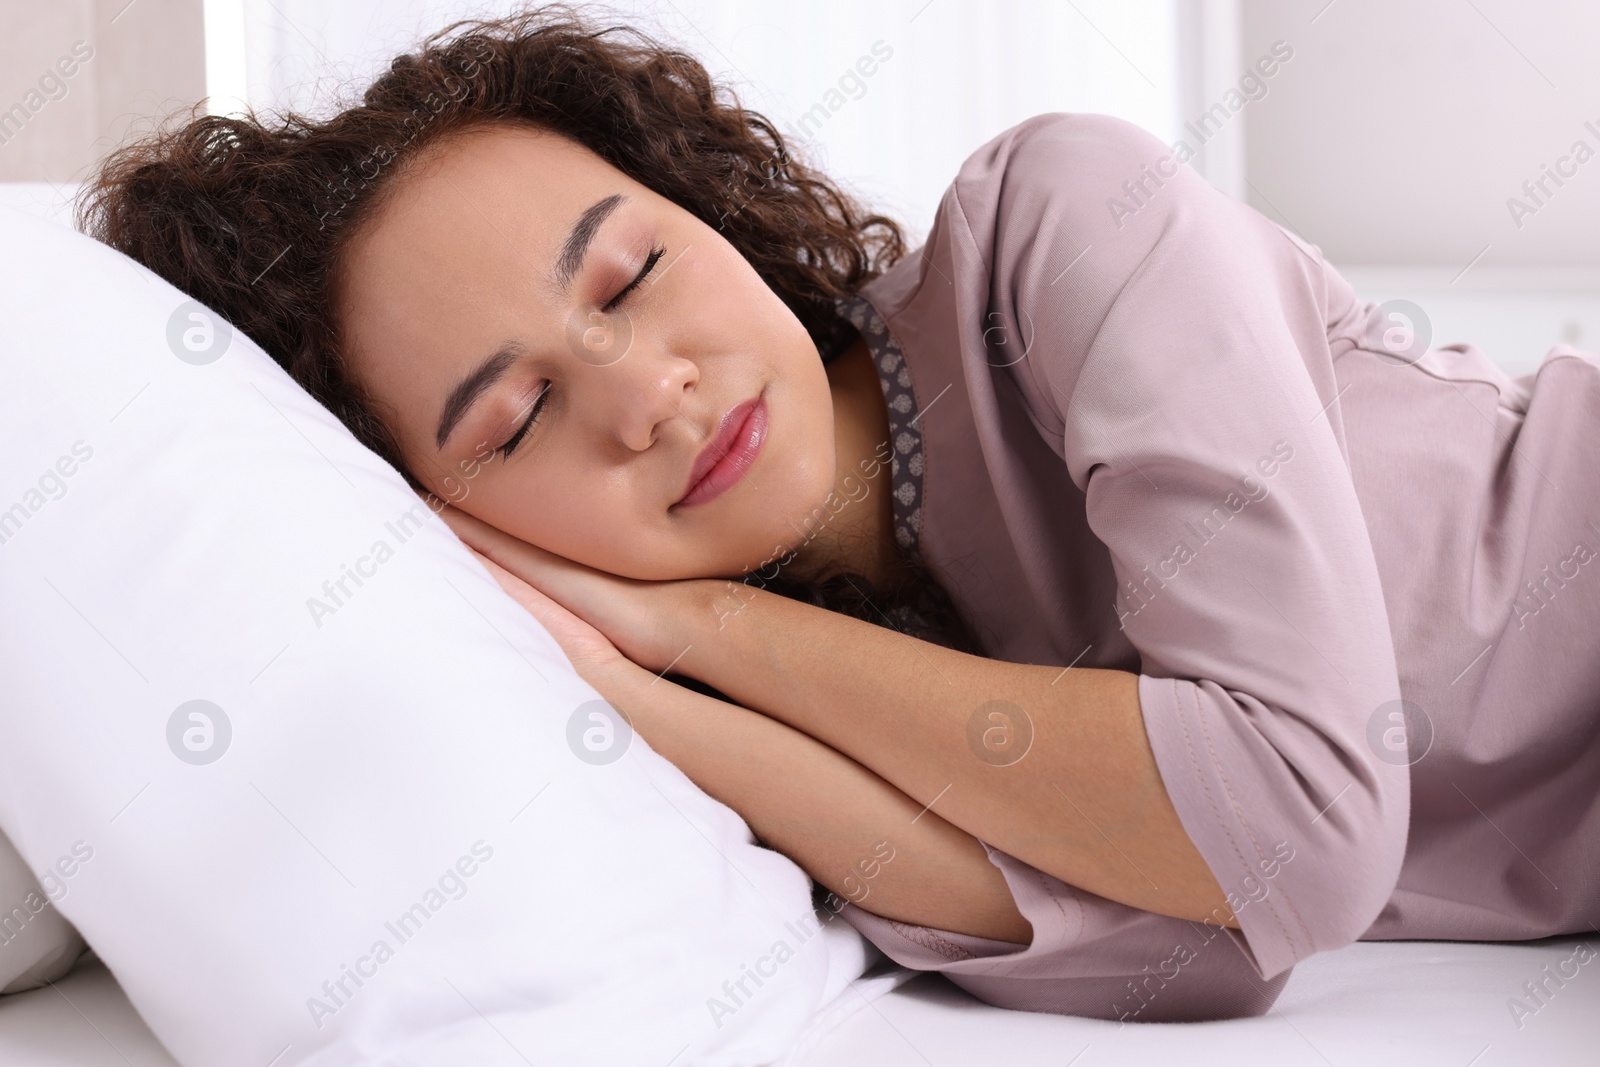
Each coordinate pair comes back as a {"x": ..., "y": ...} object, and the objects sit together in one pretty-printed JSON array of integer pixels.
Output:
[{"x": 1371, "y": 1004}]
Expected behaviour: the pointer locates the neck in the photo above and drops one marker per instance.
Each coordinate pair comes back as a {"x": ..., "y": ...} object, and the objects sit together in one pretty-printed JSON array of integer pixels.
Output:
[{"x": 854, "y": 529}]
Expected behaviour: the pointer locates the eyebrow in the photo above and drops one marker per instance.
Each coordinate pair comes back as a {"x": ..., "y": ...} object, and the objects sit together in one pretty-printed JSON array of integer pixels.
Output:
[
  {"x": 568, "y": 263},
  {"x": 473, "y": 386},
  {"x": 576, "y": 246}
]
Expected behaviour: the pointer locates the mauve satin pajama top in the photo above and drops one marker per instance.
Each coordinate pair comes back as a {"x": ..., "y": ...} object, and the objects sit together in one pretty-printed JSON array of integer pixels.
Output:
[{"x": 1141, "y": 426}]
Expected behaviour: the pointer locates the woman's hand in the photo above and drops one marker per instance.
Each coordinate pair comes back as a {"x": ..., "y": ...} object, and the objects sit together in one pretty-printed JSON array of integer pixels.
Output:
[{"x": 637, "y": 618}]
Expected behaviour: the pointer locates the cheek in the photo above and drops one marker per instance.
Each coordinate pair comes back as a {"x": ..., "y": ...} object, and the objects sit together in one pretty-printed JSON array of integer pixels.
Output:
[
  {"x": 552, "y": 503},
  {"x": 810, "y": 435}
]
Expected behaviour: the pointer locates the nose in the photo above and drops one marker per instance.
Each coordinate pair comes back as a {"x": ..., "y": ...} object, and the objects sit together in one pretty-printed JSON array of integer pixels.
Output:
[{"x": 642, "y": 391}]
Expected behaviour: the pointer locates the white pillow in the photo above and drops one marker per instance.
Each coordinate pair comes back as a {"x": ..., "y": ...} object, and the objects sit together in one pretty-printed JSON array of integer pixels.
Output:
[
  {"x": 36, "y": 944},
  {"x": 327, "y": 837}
]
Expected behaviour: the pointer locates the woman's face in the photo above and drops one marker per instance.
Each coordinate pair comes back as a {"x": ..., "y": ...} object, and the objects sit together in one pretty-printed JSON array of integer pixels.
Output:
[{"x": 494, "y": 284}]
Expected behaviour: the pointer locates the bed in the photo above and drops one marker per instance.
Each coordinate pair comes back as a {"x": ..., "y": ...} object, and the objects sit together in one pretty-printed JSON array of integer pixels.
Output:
[{"x": 1372, "y": 1004}]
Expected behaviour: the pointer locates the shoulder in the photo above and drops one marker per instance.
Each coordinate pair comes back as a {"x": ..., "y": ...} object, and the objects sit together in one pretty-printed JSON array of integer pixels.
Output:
[
  {"x": 1077, "y": 159},
  {"x": 1061, "y": 135}
]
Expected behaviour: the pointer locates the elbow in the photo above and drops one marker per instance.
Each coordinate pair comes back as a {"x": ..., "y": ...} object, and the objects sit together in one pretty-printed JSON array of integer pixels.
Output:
[
  {"x": 1213, "y": 983},
  {"x": 1354, "y": 845},
  {"x": 1374, "y": 873},
  {"x": 1303, "y": 824},
  {"x": 1355, "y": 890},
  {"x": 1234, "y": 993}
]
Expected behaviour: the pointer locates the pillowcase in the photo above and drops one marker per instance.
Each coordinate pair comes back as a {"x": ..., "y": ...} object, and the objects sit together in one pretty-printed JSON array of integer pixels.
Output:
[
  {"x": 336, "y": 788},
  {"x": 36, "y": 944}
]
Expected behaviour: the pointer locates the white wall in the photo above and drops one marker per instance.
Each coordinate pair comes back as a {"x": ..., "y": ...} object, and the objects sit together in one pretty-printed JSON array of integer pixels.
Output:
[
  {"x": 77, "y": 75},
  {"x": 1399, "y": 132},
  {"x": 959, "y": 72},
  {"x": 1393, "y": 139}
]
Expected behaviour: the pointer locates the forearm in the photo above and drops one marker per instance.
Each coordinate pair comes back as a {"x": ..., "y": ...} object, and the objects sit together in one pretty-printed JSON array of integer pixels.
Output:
[
  {"x": 844, "y": 825},
  {"x": 1085, "y": 803}
]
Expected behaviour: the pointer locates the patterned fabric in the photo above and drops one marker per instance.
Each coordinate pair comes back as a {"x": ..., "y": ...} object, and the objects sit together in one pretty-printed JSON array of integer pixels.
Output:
[{"x": 905, "y": 474}]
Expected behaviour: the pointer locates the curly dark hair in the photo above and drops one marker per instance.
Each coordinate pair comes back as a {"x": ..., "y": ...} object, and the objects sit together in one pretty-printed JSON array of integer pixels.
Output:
[{"x": 250, "y": 216}]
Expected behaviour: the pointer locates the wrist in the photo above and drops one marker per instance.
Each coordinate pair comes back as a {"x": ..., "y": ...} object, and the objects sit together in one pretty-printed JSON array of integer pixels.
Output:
[
  {"x": 722, "y": 634},
  {"x": 717, "y": 604},
  {"x": 691, "y": 614},
  {"x": 615, "y": 677}
]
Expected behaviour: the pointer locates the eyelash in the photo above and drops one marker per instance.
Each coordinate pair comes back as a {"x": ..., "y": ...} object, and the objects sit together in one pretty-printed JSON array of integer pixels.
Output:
[
  {"x": 650, "y": 262},
  {"x": 506, "y": 449},
  {"x": 649, "y": 265}
]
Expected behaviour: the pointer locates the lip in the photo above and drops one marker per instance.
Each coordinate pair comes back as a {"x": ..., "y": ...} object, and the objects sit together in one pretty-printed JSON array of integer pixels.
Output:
[{"x": 723, "y": 462}]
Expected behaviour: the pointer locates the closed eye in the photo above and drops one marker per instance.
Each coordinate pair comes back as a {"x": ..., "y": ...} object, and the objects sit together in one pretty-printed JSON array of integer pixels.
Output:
[
  {"x": 615, "y": 302},
  {"x": 644, "y": 272},
  {"x": 506, "y": 449}
]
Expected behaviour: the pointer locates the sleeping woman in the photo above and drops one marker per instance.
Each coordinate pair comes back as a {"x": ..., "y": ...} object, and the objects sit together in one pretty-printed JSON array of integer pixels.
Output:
[{"x": 1104, "y": 603}]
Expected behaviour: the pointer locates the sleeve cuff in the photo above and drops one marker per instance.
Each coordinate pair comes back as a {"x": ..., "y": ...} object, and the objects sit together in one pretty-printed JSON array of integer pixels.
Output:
[{"x": 1089, "y": 957}]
